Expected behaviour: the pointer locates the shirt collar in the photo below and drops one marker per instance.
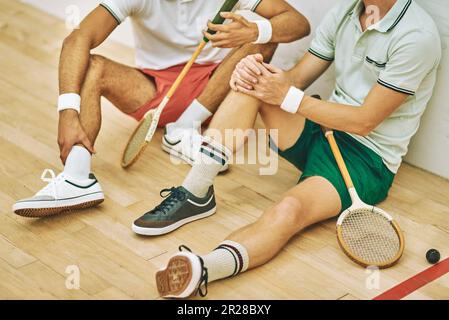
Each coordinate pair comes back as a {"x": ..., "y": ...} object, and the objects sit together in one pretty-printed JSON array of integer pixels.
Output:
[{"x": 390, "y": 20}]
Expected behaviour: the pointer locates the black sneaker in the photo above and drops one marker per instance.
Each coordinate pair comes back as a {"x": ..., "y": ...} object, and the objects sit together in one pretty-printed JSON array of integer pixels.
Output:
[
  {"x": 184, "y": 276},
  {"x": 178, "y": 208}
]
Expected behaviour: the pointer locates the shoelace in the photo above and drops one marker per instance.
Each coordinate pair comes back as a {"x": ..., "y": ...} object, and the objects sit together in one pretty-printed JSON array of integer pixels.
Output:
[
  {"x": 51, "y": 181},
  {"x": 204, "y": 274},
  {"x": 172, "y": 196}
]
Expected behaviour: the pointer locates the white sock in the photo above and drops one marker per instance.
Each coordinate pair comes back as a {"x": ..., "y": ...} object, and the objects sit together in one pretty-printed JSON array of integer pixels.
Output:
[
  {"x": 229, "y": 259},
  {"x": 78, "y": 162},
  {"x": 194, "y": 115},
  {"x": 213, "y": 156}
]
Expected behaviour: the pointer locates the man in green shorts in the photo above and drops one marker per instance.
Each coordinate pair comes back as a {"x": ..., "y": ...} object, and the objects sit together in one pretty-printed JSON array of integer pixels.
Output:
[{"x": 386, "y": 55}]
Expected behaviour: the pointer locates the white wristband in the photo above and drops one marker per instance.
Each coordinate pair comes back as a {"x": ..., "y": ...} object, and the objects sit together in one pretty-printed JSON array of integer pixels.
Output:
[
  {"x": 292, "y": 100},
  {"x": 69, "y": 101},
  {"x": 265, "y": 31}
]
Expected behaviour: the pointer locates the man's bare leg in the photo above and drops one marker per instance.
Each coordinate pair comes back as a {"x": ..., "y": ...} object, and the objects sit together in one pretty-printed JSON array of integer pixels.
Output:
[
  {"x": 125, "y": 87},
  {"x": 217, "y": 88},
  {"x": 313, "y": 200},
  {"x": 300, "y": 207},
  {"x": 237, "y": 112}
]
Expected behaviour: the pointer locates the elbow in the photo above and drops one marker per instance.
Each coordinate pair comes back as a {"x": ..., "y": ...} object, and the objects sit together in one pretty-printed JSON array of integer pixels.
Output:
[
  {"x": 70, "y": 39},
  {"x": 364, "y": 129},
  {"x": 76, "y": 39},
  {"x": 304, "y": 29},
  {"x": 364, "y": 122}
]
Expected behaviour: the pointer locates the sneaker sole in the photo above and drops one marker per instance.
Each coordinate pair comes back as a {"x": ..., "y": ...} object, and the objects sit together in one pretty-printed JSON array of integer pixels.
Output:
[
  {"x": 30, "y": 212},
  {"x": 160, "y": 231},
  {"x": 174, "y": 281},
  {"x": 168, "y": 149}
]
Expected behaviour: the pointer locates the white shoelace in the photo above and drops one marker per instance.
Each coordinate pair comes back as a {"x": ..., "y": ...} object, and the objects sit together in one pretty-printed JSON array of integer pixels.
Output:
[{"x": 52, "y": 181}]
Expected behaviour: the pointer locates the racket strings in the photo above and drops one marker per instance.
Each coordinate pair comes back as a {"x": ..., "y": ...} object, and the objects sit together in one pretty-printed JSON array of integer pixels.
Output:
[
  {"x": 370, "y": 237},
  {"x": 136, "y": 142}
]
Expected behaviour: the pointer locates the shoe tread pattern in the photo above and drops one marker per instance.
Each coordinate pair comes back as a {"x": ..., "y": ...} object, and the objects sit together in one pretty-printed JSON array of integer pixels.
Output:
[{"x": 45, "y": 212}]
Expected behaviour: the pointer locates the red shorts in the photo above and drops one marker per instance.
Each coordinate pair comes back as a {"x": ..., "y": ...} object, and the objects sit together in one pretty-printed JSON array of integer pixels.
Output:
[{"x": 190, "y": 88}]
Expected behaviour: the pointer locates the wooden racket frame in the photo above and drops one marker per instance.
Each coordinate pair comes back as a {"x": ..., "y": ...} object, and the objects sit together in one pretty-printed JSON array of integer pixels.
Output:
[
  {"x": 153, "y": 115},
  {"x": 359, "y": 204},
  {"x": 150, "y": 115},
  {"x": 366, "y": 264}
]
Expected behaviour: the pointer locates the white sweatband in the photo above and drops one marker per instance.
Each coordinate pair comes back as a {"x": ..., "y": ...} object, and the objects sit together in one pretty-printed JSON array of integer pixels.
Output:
[
  {"x": 69, "y": 101},
  {"x": 292, "y": 100},
  {"x": 265, "y": 31}
]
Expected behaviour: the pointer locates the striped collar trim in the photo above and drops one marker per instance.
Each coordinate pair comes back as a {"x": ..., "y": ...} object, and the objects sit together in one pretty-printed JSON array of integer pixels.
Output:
[
  {"x": 401, "y": 14},
  {"x": 391, "y": 19}
]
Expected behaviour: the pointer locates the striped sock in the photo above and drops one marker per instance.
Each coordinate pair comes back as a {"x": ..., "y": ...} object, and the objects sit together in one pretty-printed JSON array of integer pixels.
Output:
[
  {"x": 213, "y": 156},
  {"x": 228, "y": 259}
]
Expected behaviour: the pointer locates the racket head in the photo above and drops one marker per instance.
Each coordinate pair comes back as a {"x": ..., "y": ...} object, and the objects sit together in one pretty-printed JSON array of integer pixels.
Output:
[
  {"x": 138, "y": 141},
  {"x": 370, "y": 237}
]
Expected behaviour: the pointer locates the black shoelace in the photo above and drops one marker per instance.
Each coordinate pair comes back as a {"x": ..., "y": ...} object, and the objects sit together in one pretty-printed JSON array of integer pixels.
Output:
[
  {"x": 172, "y": 196},
  {"x": 204, "y": 274}
]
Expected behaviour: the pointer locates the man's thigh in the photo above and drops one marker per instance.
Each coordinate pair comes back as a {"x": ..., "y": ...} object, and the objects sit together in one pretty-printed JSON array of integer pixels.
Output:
[
  {"x": 289, "y": 126},
  {"x": 126, "y": 87}
]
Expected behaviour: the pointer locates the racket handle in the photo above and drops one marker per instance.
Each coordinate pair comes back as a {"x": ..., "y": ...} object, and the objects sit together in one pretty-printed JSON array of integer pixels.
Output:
[
  {"x": 339, "y": 158},
  {"x": 185, "y": 70},
  {"x": 227, "y": 7}
]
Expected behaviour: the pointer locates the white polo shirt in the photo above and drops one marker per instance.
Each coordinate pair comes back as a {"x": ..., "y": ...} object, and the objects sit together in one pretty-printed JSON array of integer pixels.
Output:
[
  {"x": 401, "y": 52},
  {"x": 167, "y": 32}
]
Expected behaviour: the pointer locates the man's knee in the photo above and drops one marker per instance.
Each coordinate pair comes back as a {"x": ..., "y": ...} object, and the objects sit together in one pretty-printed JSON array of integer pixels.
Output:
[
  {"x": 267, "y": 50},
  {"x": 95, "y": 70},
  {"x": 288, "y": 213},
  {"x": 96, "y": 62}
]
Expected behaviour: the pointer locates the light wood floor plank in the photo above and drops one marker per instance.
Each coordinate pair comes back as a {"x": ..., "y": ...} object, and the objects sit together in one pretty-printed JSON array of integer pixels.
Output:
[{"x": 117, "y": 264}]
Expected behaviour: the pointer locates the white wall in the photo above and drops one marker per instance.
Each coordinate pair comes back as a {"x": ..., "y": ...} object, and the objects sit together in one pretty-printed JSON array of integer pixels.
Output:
[
  {"x": 430, "y": 147},
  {"x": 58, "y": 8}
]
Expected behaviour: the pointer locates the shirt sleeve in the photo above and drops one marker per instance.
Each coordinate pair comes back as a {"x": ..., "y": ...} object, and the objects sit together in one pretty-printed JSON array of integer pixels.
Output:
[
  {"x": 410, "y": 62},
  {"x": 120, "y": 9},
  {"x": 323, "y": 45},
  {"x": 249, "y": 4}
]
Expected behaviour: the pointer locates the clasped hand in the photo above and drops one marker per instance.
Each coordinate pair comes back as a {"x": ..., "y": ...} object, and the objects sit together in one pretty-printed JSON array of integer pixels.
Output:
[{"x": 261, "y": 80}]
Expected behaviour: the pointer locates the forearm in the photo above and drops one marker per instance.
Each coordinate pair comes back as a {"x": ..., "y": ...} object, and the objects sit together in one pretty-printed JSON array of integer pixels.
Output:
[
  {"x": 279, "y": 88},
  {"x": 288, "y": 27},
  {"x": 307, "y": 70},
  {"x": 336, "y": 116},
  {"x": 73, "y": 64}
]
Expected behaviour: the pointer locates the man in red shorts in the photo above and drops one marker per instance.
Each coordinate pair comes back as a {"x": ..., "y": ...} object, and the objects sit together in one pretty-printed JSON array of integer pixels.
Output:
[{"x": 166, "y": 34}]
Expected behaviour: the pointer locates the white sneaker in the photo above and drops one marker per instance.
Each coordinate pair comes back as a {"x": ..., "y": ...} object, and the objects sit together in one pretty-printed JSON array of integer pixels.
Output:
[
  {"x": 62, "y": 193},
  {"x": 185, "y": 275},
  {"x": 184, "y": 144}
]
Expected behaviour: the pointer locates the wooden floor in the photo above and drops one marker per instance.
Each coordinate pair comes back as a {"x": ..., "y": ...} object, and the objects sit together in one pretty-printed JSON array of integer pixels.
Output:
[{"x": 117, "y": 264}]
